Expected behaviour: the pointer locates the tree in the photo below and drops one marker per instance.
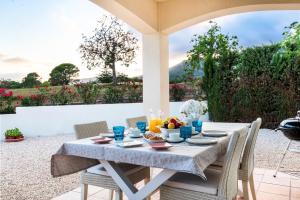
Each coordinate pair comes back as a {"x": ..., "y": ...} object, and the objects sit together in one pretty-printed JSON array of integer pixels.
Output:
[
  {"x": 109, "y": 44},
  {"x": 217, "y": 53},
  {"x": 63, "y": 74},
  {"x": 31, "y": 80},
  {"x": 105, "y": 77},
  {"x": 10, "y": 84}
]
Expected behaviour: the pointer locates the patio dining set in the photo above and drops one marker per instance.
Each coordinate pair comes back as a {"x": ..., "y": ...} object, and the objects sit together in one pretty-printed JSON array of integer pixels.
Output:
[{"x": 189, "y": 170}]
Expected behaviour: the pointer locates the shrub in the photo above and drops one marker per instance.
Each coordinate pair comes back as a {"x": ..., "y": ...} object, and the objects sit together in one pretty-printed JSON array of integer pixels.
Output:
[
  {"x": 66, "y": 95},
  {"x": 6, "y": 101},
  {"x": 26, "y": 101},
  {"x": 88, "y": 92},
  {"x": 38, "y": 99},
  {"x": 134, "y": 92},
  {"x": 256, "y": 82},
  {"x": 13, "y": 133},
  {"x": 177, "y": 92},
  {"x": 113, "y": 94}
]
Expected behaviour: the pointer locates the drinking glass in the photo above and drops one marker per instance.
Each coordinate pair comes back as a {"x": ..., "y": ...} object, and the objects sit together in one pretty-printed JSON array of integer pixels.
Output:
[
  {"x": 141, "y": 126},
  {"x": 198, "y": 125},
  {"x": 185, "y": 132},
  {"x": 119, "y": 133}
]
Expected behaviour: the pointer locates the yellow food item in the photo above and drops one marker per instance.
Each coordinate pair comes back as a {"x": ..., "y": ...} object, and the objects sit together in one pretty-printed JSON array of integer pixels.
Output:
[
  {"x": 155, "y": 129},
  {"x": 171, "y": 126}
]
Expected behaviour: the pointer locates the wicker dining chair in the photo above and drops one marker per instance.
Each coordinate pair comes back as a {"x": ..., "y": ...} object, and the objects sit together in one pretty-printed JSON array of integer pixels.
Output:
[
  {"x": 247, "y": 161},
  {"x": 97, "y": 175},
  {"x": 131, "y": 122},
  {"x": 220, "y": 185}
]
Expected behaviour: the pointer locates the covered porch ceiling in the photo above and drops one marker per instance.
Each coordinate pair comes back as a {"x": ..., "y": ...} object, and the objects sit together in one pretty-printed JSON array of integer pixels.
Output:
[{"x": 168, "y": 16}]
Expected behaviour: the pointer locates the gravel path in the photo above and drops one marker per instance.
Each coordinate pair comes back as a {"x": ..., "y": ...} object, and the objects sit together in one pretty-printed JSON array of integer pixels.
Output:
[{"x": 25, "y": 166}]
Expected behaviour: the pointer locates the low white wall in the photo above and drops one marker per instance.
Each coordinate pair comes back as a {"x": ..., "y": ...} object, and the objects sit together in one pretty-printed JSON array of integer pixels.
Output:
[{"x": 54, "y": 120}]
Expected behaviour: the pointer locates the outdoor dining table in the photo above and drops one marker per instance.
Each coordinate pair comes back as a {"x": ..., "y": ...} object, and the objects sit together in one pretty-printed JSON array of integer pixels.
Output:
[{"x": 81, "y": 154}]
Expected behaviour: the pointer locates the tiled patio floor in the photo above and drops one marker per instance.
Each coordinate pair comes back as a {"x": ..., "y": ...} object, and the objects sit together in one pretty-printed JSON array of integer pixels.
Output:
[{"x": 283, "y": 187}]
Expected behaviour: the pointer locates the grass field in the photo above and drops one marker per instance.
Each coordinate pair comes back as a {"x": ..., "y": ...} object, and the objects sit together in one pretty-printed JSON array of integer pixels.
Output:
[{"x": 30, "y": 91}]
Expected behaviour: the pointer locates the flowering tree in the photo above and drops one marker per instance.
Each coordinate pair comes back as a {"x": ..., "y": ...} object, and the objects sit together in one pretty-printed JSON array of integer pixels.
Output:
[{"x": 109, "y": 44}]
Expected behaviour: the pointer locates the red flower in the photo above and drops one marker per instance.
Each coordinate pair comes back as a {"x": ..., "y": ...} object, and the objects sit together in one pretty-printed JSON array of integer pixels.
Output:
[
  {"x": 20, "y": 97},
  {"x": 33, "y": 97},
  {"x": 2, "y": 90},
  {"x": 4, "y": 93}
]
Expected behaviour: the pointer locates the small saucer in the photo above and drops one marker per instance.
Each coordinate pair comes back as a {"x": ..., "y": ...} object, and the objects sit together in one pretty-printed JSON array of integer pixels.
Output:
[
  {"x": 177, "y": 140},
  {"x": 135, "y": 136}
]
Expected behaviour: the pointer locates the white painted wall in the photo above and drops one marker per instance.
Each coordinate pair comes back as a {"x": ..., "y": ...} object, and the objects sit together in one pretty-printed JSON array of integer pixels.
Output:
[{"x": 55, "y": 120}]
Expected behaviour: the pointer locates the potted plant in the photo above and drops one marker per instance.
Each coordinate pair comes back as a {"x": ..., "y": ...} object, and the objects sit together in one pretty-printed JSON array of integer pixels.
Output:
[{"x": 13, "y": 135}]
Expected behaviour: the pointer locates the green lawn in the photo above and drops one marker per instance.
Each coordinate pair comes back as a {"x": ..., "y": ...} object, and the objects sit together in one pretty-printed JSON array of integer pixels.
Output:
[{"x": 30, "y": 91}]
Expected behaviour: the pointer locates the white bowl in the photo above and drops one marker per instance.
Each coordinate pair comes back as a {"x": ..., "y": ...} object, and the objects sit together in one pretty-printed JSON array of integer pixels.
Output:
[{"x": 166, "y": 131}]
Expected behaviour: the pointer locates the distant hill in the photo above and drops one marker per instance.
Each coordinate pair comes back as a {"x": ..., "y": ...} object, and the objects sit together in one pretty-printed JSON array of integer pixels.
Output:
[{"x": 177, "y": 72}]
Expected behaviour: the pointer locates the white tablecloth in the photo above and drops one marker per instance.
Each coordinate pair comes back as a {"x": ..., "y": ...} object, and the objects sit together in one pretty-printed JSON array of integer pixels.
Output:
[{"x": 80, "y": 154}]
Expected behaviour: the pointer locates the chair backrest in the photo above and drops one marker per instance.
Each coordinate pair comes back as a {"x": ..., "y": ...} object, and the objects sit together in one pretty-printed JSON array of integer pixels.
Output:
[
  {"x": 90, "y": 129},
  {"x": 247, "y": 162},
  {"x": 228, "y": 184},
  {"x": 131, "y": 122}
]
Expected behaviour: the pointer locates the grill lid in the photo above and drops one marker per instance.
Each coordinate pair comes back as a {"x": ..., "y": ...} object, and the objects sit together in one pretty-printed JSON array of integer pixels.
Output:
[{"x": 291, "y": 122}]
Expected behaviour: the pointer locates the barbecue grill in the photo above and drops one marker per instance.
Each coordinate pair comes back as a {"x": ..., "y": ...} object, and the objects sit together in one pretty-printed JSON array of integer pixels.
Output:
[{"x": 291, "y": 129}]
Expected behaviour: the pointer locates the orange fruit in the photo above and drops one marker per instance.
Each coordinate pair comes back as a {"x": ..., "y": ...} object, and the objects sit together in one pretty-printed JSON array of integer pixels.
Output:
[{"x": 171, "y": 126}]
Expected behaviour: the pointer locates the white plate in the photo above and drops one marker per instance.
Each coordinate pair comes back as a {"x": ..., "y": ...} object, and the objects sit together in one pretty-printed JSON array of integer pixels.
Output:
[
  {"x": 175, "y": 141},
  {"x": 195, "y": 133},
  {"x": 110, "y": 135},
  {"x": 214, "y": 133},
  {"x": 154, "y": 141},
  {"x": 201, "y": 141},
  {"x": 134, "y": 143}
]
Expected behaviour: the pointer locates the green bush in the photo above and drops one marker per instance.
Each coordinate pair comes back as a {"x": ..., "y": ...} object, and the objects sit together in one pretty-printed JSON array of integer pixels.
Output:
[
  {"x": 6, "y": 101},
  {"x": 66, "y": 95},
  {"x": 261, "y": 81},
  {"x": 113, "y": 94},
  {"x": 88, "y": 92},
  {"x": 134, "y": 92},
  {"x": 177, "y": 92},
  {"x": 39, "y": 99}
]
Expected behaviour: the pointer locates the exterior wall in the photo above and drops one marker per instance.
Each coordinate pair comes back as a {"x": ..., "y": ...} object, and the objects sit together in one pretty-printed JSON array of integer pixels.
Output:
[{"x": 55, "y": 120}]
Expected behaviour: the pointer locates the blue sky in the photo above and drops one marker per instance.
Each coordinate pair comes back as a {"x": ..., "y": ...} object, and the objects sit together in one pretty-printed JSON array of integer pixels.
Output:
[{"x": 38, "y": 35}]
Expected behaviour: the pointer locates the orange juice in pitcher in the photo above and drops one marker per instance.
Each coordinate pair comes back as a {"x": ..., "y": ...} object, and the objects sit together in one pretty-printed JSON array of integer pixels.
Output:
[{"x": 155, "y": 123}]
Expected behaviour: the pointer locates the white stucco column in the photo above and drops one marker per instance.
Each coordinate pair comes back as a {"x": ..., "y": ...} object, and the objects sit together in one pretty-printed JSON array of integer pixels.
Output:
[{"x": 156, "y": 72}]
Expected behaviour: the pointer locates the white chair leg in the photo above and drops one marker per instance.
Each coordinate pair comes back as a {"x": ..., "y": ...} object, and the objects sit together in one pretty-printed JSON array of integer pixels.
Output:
[
  {"x": 110, "y": 194},
  {"x": 118, "y": 195},
  {"x": 252, "y": 187},
  {"x": 84, "y": 191},
  {"x": 245, "y": 190}
]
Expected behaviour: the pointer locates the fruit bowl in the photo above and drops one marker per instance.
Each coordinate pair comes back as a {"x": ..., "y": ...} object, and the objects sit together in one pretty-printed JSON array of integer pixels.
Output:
[
  {"x": 171, "y": 125},
  {"x": 166, "y": 131}
]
